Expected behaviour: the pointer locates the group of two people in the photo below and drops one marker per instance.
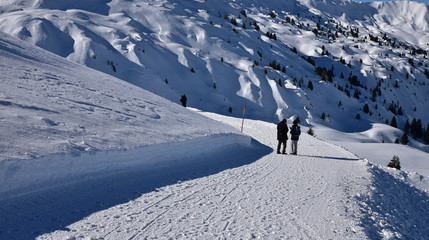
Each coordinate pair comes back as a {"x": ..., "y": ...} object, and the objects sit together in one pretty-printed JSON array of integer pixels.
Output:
[{"x": 282, "y": 137}]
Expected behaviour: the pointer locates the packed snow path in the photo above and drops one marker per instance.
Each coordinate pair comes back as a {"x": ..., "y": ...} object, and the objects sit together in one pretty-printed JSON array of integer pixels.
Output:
[
  {"x": 325, "y": 192},
  {"x": 277, "y": 196}
]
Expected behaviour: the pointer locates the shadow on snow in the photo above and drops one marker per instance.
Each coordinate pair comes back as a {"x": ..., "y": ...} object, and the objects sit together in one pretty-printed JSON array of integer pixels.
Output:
[
  {"x": 43, "y": 212},
  {"x": 394, "y": 209},
  {"x": 333, "y": 158}
]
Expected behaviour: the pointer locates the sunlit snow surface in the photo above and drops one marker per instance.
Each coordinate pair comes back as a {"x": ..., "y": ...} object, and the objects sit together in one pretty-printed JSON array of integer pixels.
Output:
[
  {"x": 84, "y": 155},
  {"x": 150, "y": 43}
]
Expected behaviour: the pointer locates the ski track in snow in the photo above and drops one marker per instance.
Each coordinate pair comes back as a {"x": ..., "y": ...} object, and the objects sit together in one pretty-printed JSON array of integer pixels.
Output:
[{"x": 278, "y": 196}]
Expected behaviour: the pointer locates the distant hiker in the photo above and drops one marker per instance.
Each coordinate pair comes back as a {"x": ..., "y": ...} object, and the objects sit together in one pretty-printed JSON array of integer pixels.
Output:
[
  {"x": 183, "y": 100},
  {"x": 295, "y": 131},
  {"x": 282, "y": 130}
]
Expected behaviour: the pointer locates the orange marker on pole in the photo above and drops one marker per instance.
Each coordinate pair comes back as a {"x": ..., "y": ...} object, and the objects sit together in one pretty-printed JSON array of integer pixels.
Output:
[{"x": 244, "y": 110}]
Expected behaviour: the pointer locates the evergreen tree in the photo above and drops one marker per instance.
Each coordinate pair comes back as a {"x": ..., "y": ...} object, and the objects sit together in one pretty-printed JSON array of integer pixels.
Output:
[
  {"x": 404, "y": 139},
  {"x": 356, "y": 94},
  {"x": 310, "y": 132},
  {"x": 413, "y": 128},
  {"x": 395, "y": 163},
  {"x": 357, "y": 116},
  {"x": 366, "y": 108},
  {"x": 407, "y": 127},
  {"x": 419, "y": 129},
  {"x": 310, "y": 85},
  {"x": 234, "y": 21},
  {"x": 323, "y": 117},
  {"x": 397, "y": 141},
  {"x": 400, "y": 111},
  {"x": 393, "y": 122},
  {"x": 392, "y": 108},
  {"x": 427, "y": 135}
]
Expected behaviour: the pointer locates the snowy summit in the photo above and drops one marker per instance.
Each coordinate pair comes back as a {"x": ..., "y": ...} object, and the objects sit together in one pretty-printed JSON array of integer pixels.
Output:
[{"x": 95, "y": 142}]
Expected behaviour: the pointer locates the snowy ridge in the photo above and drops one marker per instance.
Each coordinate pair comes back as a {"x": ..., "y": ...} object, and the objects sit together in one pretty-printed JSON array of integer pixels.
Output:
[{"x": 21, "y": 177}]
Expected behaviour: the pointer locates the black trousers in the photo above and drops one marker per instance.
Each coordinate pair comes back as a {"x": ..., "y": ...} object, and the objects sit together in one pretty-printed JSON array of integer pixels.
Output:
[{"x": 279, "y": 145}]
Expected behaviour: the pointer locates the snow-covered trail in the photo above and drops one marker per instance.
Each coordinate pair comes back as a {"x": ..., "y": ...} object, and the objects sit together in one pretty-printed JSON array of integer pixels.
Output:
[{"x": 308, "y": 196}]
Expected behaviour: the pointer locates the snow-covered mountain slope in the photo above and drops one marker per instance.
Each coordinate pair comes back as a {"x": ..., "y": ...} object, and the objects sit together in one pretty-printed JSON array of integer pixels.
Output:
[
  {"x": 171, "y": 172},
  {"x": 214, "y": 52},
  {"x": 51, "y": 108},
  {"x": 50, "y": 105},
  {"x": 59, "y": 119}
]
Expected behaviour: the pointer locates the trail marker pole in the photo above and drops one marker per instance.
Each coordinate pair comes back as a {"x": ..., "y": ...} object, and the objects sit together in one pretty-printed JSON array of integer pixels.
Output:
[{"x": 244, "y": 110}]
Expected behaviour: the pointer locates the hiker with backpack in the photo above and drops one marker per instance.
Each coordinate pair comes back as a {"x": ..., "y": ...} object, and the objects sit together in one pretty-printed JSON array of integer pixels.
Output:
[
  {"x": 282, "y": 130},
  {"x": 295, "y": 131}
]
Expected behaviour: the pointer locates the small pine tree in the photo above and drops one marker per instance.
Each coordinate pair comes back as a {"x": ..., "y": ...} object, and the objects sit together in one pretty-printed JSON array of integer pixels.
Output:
[
  {"x": 356, "y": 94},
  {"x": 214, "y": 85},
  {"x": 230, "y": 109},
  {"x": 358, "y": 116},
  {"x": 192, "y": 70},
  {"x": 257, "y": 28},
  {"x": 407, "y": 127},
  {"x": 310, "y": 132},
  {"x": 395, "y": 163},
  {"x": 166, "y": 81},
  {"x": 393, "y": 122},
  {"x": 310, "y": 85},
  {"x": 427, "y": 135},
  {"x": 404, "y": 139},
  {"x": 397, "y": 141},
  {"x": 323, "y": 117},
  {"x": 366, "y": 108},
  {"x": 419, "y": 129}
]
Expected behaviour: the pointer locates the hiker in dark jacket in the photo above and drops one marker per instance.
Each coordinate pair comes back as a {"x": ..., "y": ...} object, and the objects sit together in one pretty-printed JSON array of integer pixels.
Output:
[
  {"x": 282, "y": 130},
  {"x": 183, "y": 100},
  {"x": 295, "y": 131}
]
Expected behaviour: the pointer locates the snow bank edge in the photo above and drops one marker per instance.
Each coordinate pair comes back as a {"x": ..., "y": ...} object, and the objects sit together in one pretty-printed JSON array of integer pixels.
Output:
[{"x": 21, "y": 177}]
